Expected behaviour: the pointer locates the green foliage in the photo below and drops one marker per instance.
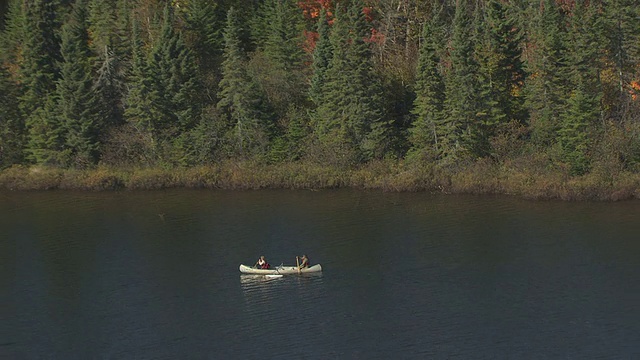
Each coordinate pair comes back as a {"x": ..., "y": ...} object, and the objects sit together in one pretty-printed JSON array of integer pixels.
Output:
[
  {"x": 465, "y": 134},
  {"x": 547, "y": 88},
  {"x": 39, "y": 72},
  {"x": 501, "y": 70},
  {"x": 173, "y": 78},
  {"x": 574, "y": 130},
  {"x": 138, "y": 101},
  {"x": 622, "y": 31},
  {"x": 247, "y": 116},
  {"x": 322, "y": 55},
  {"x": 584, "y": 105},
  {"x": 352, "y": 108},
  {"x": 204, "y": 23},
  {"x": 12, "y": 132},
  {"x": 429, "y": 128},
  {"x": 77, "y": 106},
  {"x": 46, "y": 135},
  {"x": 13, "y": 33},
  {"x": 130, "y": 83}
]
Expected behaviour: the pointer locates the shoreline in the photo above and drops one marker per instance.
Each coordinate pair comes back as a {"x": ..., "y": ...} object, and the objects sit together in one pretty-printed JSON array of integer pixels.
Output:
[{"x": 390, "y": 176}]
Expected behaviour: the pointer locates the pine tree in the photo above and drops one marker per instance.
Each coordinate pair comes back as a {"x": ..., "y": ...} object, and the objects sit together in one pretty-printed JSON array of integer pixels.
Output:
[
  {"x": 465, "y": 133},
  {"x": 351, "y": 116},
  {"x": 39, "y": 73},
  {"x": 240, "y": 99},
  {"x": 138, "y": 101},
  {"x": 109, "y": 38},
  {"x": 12, "y": 132},
  {"x": 174, "y": 85},
  {"x": 501, "y": 69},
  {"x": 322, "y": 55},
  {"x": 102, "y": 19},
  {"x": 547, "y": 88},
  {"x": 428, "y": 130},
  {"x": 622, "y": 29},
  {"x": 283, "y": 43},
  {"x": 583, "y": 106},
  {"x": 13, "y": 34},
  {"x": 204, "y": 25},
  {"x": 77, "y": 107}
]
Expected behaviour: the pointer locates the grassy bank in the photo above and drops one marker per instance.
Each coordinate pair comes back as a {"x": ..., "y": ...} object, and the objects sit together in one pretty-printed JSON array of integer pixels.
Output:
[{"x": 479, "y": 178}]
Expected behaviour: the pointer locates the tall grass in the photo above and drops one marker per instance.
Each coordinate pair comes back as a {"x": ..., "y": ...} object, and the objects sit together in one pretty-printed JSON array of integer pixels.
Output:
[{"x": 523, "y": 178}]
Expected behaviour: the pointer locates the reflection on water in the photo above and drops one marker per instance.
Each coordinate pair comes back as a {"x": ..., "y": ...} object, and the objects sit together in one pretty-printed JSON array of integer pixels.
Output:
[{"x": 103, "y": 275}]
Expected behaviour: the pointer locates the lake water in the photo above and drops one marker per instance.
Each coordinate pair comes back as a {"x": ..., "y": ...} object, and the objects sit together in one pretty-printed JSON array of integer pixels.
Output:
[{"x": 154, "y": 275}]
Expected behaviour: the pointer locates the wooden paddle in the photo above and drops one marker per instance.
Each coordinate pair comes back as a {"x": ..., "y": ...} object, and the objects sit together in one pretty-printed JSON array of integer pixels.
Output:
[{"x": 298, "y": 264}]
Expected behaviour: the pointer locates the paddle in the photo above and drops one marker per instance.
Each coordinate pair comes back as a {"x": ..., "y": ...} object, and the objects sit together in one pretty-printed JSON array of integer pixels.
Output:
[{"x": 298, "y": 264}]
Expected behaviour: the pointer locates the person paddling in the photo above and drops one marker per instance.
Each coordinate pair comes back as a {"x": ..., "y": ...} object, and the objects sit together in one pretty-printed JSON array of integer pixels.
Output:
[
  {"x": 304, "y": 262},
  {"x": 262, "y": 263}
]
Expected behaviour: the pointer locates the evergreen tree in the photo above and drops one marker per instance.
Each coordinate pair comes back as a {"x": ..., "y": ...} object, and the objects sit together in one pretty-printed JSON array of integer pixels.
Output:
[
  {"x": 174, "y": 86},
  {"x": 501, "y": 69},
  {"x": 428, "y": 130},
  {"x": 278, "y": 68},
  {"x": 583, "y": 106},
  {"x": 138, "y": 100},
  {"x": 466, "y": 134},
  {"x": 46, "y": 138},
  {"x": 622, "y": 29},
  {"x": 77, "y": 106},
  {"x": 322, "y": 55},
  {"x": 240, "y": 99},
  {"x": 12, "y": 134},
  {"x": 109, "y": 39},
  {"x": 204, "y": 25},
  {"x": 283, "y": 43},
  {"x": 39, "y": 73},
  {"x": 13, "y": 35},
  {"x": 102, "y": 19},
  {"x": 547, "y": 87},
  {"x": 351, "y": 115}
]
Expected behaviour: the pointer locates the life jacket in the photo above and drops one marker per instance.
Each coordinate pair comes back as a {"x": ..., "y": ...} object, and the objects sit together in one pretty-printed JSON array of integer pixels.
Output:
[
  {"x": 263, "y": 264},
  {"x": 306, "y": 265}
]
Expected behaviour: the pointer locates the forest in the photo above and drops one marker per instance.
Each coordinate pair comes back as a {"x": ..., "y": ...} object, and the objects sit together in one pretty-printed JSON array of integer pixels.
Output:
[{"x": 532, "y": 97}]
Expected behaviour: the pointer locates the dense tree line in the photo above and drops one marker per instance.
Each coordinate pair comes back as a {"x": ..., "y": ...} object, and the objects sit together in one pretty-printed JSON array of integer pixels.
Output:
[{"x": 340, "y": 82}]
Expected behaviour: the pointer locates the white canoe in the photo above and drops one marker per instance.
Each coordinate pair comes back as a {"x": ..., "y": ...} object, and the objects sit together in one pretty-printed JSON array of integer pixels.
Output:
[{"x": 280, "y": 270}]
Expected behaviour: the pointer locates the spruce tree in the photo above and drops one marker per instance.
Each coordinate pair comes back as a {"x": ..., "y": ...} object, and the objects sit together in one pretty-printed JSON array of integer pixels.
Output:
[
  {"x": 102, "y": 19},
  {"x": 465, "y": 134},
  {"x": 622, "y": 29},
  {"x": 428, "y": 130},
  {"x": 584, "y": 104},
  {"x": 12, "y": 133},
  {"x": 501, "y": 69},
  {"x": 284, "y": 30},
  {"x": 13, "y": 34},
  {"x": 39, "y": 72},
  {"x": 547, "y": 89},
  {"x": 204, "y": 23},
  {"x": 138, "y": 100},
  {"x": 322, "y": 55},
  {"x": 76, "y": 106},
  {"x": 240, "y": 100},
  {"x": 351, "y": 115},
  {"x": 174, "y": 83}
]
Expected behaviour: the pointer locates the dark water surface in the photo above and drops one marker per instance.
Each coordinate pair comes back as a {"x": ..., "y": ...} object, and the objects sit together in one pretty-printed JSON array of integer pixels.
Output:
[{"x": 154, "y": 275}]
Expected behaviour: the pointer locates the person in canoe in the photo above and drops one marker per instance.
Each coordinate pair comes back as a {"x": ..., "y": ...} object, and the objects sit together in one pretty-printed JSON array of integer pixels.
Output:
[
  {"x": 304, "y": 262},
  {"x": 262, "y": 263}
]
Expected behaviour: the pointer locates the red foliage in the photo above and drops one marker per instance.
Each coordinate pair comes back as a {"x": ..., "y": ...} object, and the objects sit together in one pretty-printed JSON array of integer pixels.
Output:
[
  {"x": 635, "y": 89},
  {"x": 368, "y": 13},
  {"x": 311, "y": 8},
  {"x": 311, "y": 37},
  {"x": 376, "y": 37}
]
